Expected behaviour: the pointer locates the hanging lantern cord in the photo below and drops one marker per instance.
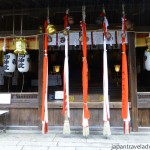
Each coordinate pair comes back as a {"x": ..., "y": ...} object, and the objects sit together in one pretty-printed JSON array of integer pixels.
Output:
[
  {"x": 13, "y": 25},
  {"x": 21, "y": 24},
  {"x": 123, "y": 11},
  {"x": 48, "y": 20},
  {"x": 67, "y": 11},
  {"x": 83, "y": 13},
  {"x": 8, "y": 83},
  {"x": 104, "y": 9},
  {"x": 22, "y": 82}
]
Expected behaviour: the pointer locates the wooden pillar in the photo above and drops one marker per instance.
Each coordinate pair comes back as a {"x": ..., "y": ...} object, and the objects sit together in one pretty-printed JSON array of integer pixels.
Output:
[
  {"x": 132, "y": 80},
  {"x": 40, "y": 75}
]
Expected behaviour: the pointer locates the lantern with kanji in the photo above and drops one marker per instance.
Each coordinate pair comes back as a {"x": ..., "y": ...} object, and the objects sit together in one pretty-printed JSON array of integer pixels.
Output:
[
  {"x": 9, "y": 64},
  {"x": 23, "y": 63},
  {"x": 147, "y": 55}
]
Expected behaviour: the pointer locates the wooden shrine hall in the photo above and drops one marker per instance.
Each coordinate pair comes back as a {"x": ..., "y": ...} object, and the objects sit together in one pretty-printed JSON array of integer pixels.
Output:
[{"x": 23, "y": 35}]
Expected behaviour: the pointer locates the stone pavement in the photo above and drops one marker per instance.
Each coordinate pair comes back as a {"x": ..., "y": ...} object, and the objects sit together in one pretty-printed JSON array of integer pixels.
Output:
[{"x": 55, "y": 140}]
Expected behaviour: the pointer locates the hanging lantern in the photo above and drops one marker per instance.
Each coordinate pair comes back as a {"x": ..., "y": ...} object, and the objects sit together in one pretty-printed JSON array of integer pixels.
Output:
[
  {"x": 147, "y": 59},
  {"x": 23, "y": 63},
  {"x": 117, "y": 68},
  {"x": 147, "y": 55},
  {"x": 56, "y": 69},
  {"x": 9, "y": 64},
  {"x": 51, "y": 29},
  {"x": 20, "y": 46}
]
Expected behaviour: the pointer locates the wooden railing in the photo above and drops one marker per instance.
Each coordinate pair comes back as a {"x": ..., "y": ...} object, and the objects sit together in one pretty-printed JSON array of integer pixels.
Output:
[
  {"x": 143, "y": 99},
  {"x": 30, "y": 100},
  {"x": 23, "y": 100}
]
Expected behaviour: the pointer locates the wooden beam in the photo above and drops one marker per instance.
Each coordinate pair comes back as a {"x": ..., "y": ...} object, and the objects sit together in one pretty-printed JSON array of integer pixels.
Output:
[
  {"x": 133, "y": 80},
  {"x": 23, "y": 3},
  {"x": 40, "y": 74},
  {"x": 58, "y": 105},
  {"x": 91, "y": 105}
]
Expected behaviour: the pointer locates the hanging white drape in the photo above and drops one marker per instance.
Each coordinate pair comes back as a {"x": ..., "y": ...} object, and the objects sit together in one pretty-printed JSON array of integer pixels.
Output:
[
  {"x": 106, "y": 112},
  {"x": 66, "y": 80}
]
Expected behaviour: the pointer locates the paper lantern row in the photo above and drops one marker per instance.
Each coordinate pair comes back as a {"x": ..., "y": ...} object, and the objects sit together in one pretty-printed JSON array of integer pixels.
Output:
[
  {"x": 93, "y": 38},
  {"x": 9, "y": 64}
]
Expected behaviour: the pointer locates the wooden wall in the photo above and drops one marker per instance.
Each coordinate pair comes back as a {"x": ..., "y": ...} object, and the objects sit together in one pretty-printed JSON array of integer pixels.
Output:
[
  {"x": 23, "y": 117},
  {"x": 20, "y": 116},
  {"x": 30, "y": 117},
  {"x": 144, "y": 117}
]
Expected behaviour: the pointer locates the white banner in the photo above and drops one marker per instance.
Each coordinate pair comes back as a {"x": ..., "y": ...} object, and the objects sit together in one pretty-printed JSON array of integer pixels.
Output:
[
  {"x": 88, "y": 34},
  {"x": 97, "y": 38},
  {"x": 61, "y": 39},
  {"x": 112, "y": 39},
  {"x": 119, "y": 37},
  {"x": 52, "y": 39},
  {"x": 93, "y": 38},
  {"x": 74, "y": 38}
]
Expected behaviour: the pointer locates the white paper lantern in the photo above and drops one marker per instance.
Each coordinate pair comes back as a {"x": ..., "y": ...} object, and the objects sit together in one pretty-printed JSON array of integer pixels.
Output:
[
  {"x": 23, "y": 63},
  {"x": 9, "y": 62},
  {"x": 147, "y": 60}
]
